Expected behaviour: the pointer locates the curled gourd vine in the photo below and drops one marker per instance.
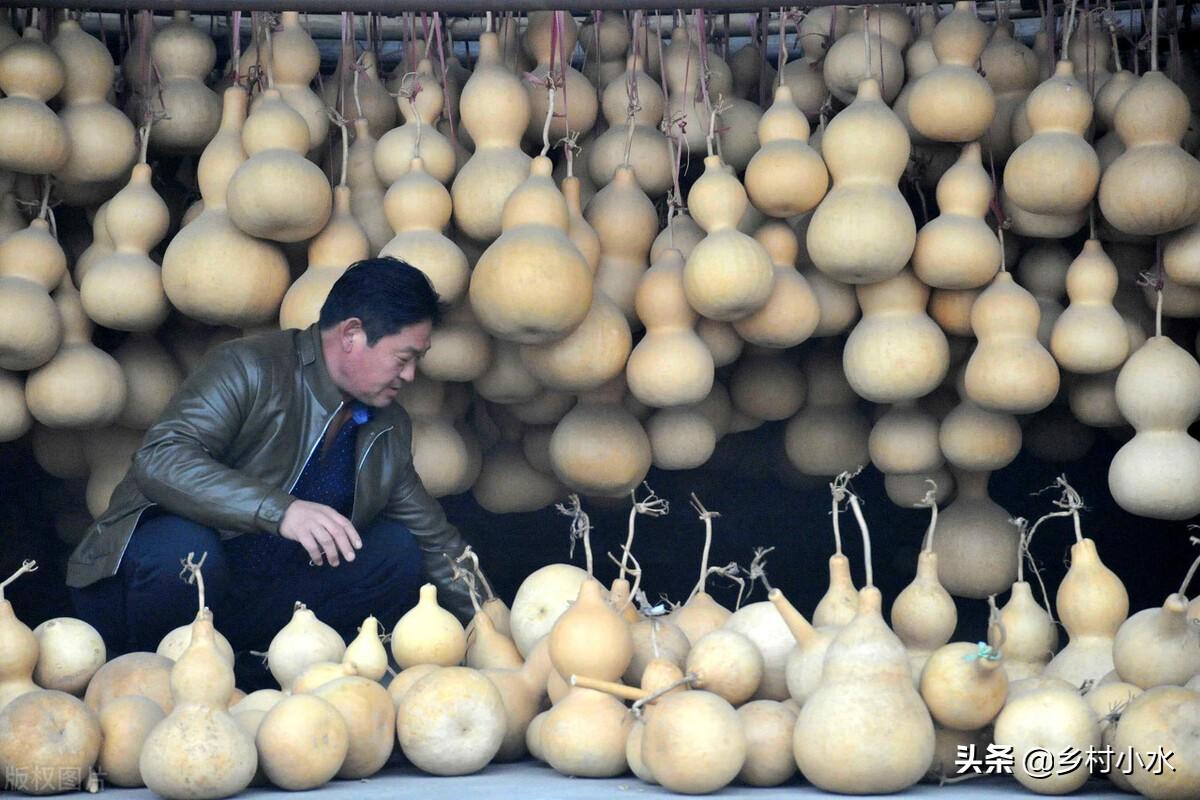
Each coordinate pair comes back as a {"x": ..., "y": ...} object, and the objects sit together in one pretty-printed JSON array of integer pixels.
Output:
[
  {"x": 634, "y": 569},
  {"x": 651, "y": 506},
  {"x": 460, "y": 575},
  {"x": 27, "y": 566},
  {"x": 581, "y": 528},
  {"x": 757, "y": 571},
  {"x": 192, "y": 575},
  {"x": 929, "y": 501},
  {"x": 841, "y": 492},
  {"x": 469, "y": 554}
]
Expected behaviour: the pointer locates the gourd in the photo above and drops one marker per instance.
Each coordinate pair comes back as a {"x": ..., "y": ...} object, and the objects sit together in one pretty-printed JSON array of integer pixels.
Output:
[
  {"x": 1055, "y": 721},
  {"x": 866, "y": 668},
  {"x": 460, "y": 350},
  {"x": 599, "y": 447},
  {"x": 626, "y": 223},
  {"x": 694, "y": 742},
  {"x": 421, "y": 102},
  {"x": 1056, "y": 171},
  {"x": 277, "y": 193},
  {"x": 1090, "y": 335},
  {"x": 584, "y": 734},
  {"x": 605, "y": 41},
  {"x": 957, "y": 249},
  {"x": 1159, "y": 646},
  {"x": 682, "y": 437},
  {"x": 441, "y": 454},
  {"x": 863, "y": 231},
  {"x": 764, "y": 386},
  {"x": 508, "y": 483},
  {"x": 700, "y": 615},
  {"x": 728, "y": 275},
  {"x": 428, "y": 634},
  {"x": 31, "y": 265},
  {"x": 1181, "y": 255},
  {"x": 294, "y": 62},
  {"x": 864, "y": 56},
  {"x": 69, "y": 653},
  {"x": 766, "y": 629},
  {"x": 1042, "y": 270},
  {"x": 495, "y": 111},
  {"x": 20, "y": 651},
  {"x": 175, "y": 644},
  {"x": 302, "y": 742},
  {"x": 540, "y": 600},
  {"x": 211, "y": 270},
  {"x": 686, "y": 119},
  {"x": 124, "y": 290},
  {"x": 451, "y": 722},
  {"x": 976, "y": 439},
  {"x": 768, "y": 728},
  {"x": 1009, "y": 369},
  {"x": 184, "y": 56},
  {"x": 923, "y": 614},
  {"x": 81, "y": 386},
  {"x": 304, "y": 641},
  {"x": 152, "y": 376},
  {"x": 805, "y": 663},
  {"x": 953, "y": 102},
  {"x": 133, "y": 674},
  {"x": 792, "y": 312},
  {"x": 1157, "y": 392},
  {"x": 977, "y": 543},
  {"x": 1031, "y": 636},
  {"x": 591, "y": 639},
  {"x": 101, "y": 139},
  {"x": 829, "y": 434},
  {"x": 362, "y": 94},
  {"x": 1163, "y": 720},
  {"x": 124, "y": 725},
  {"x": 370, "y": 717},
  {"x": 904, "y": 442},
  {"x": 1011, "y": 69},
  {"x": 341, "y": 243},
  {"x": 487, "y": 648},
  {"x": 33, "y": 140},
  {"x": 1151, "y": 119},
  {"x": 14, "y": 413},
  {"x": 109, "y": 453},
  {"x": 964, "y": 685},
  {"x": 786, "y": 176},
  {"x": 418, "y": 209},
  {"x": 578, "y": 111},
  {"x": 533, "y": 251},
  {"x": 49, "y": 741},
  {"x": 896, "y": 351},
  {"x": 633, "y": 136},
  {"x": 366, "y": 190},
  {"x": 199, "y": 750}
]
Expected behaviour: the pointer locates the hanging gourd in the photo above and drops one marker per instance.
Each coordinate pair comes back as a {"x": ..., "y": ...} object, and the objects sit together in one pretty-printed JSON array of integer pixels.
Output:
[
  {"x": 600, "y": 447},
  {"x": 792, "y": 312},
  {"x": 626, "y": 223},
  {"x": 1154, "y": 186},
  {"x": 460, "y": 350},
  {"x": 211, "y": 270},
  {"x": 863, "y": 231},
  {"x": 977, "y": 543},
  {"x": 1040, "y": 226},
  {"x": 1090, "y": 336},
  {"x": 605, "y": 39},
  {"x": 728, "y": 275},
  {"x": 1091, "y": 51},
  {"x": 1011, "y": 69},
  {"x": 441, "y": 455},
  {"x": 633, "y": 106},
  {"x": 495, "y": 111},
  {"x": 1009, "y": 370},
  {"x": 506, "y": 379},
  {"x": 356, "y": 90},
  {"x": 1056, "y": 171},
  {"x": 124, "y": 290},
  {"x": 548, "y": 36},
  {"x": 686, "y": 120},
  {"x": 183, "y": 55},
  {"x": 102, "y": 140},
  {"x": 15, "y": 420},
  {"x": 533, "y": 253},
  {"x": 953, "y": 103},
  {"x": 152, "y": 377},
  {"x": 366, "y": 190},
  {"x": 31, "y": 264},
  {"x": 766, "y": 386},
  {"x": 33, "y": 139},
  {"x": 418, "y": 209},
  {"x": 904, "y": 441},
  {"x": 975, "y": 439},
  {"x": 294, "y": 62},
  {"x": 958, "y": 249},
  {"x": 277, "y": 193},
  {"x": 421, "y": 101},
  {"x": 866, "y": 54},
  {"x": 805, "y": 81},
  {"x": 785, "y": 177},
  {"x": 81, "y": 386},
  {"x": 896, "y": 351},
  {"x": 829, "y": 435}
]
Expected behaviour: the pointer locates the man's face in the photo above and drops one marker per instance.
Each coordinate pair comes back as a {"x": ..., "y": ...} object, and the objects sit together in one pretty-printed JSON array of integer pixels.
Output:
[{"x": 374, "y": 374}]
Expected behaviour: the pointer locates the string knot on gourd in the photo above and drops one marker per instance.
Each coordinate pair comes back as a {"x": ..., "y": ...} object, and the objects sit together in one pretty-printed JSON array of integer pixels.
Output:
[{"x": 985, "y": 652}]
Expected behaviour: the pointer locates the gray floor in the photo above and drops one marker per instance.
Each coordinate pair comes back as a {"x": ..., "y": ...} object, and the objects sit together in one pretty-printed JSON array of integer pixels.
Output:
[{"x": 533, "y": 781}]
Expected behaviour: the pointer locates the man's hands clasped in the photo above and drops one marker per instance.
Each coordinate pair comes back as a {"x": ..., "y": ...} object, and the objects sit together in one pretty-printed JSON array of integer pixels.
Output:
[{"x": 323, "y": 532}]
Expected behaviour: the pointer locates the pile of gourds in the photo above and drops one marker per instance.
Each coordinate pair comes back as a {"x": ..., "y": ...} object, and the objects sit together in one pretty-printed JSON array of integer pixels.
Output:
[{"x": 754, "y": 694}]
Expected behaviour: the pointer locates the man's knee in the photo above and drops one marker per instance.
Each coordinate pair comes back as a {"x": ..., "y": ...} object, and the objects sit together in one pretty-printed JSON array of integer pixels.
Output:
[
  {"x": 390, "y": 547},
  {"x": 154, "y": 560}
]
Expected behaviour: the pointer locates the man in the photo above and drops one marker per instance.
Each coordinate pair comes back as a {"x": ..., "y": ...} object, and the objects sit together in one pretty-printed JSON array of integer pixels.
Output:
[{"x": 286, "y": 459}]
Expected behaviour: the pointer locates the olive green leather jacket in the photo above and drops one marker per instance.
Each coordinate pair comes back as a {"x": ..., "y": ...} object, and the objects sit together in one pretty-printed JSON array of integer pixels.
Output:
[{"x": 233, "y": 442}]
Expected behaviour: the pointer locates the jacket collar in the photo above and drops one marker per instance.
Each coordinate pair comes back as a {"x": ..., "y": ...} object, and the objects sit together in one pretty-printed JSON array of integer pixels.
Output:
[{"x": 316, "y": 372}]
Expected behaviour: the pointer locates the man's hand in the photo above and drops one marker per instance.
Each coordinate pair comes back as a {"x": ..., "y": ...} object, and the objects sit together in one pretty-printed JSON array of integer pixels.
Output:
[{"x": 322, "y": 531}]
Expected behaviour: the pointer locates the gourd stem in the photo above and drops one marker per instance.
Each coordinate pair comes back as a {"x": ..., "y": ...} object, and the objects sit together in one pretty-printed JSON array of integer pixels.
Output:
[
  {"x": 235, "y": 45},
  {"x": 581, "y": 527},
  {"x": 866, "y": 534},
  {"x": 707, "y": 517},
  {"x": 437, "y": 31},
  {"x": 457, "y": 573},
  {"x": 781, "y": 61},
  {"x": 346, "y": 139},
  {"x": 191, "y": 573},
  {"x": 996, "y": 634},
  {"x": 686, "y": 680},
  {"x": 1022, "y": 547},
  {"x": 1068, "y": 23},
  {"x": 358, "y": 100},
  {"x": 1112, "y": 32},
  {"x": 29, "y": 565},
  {"x": 930, "y": 500},
  {"x": 44, "y": 207},
  {"x": 1154, "y": 35},
  {"x": 1092, "y": 220},
  {"x": 1191, "y": 573},
  {"x": 266, "y": 27},
  {"x": 837, "y": 527},
  {"x": 867, "y": 42},
  {"x": 549, "y": 114}
]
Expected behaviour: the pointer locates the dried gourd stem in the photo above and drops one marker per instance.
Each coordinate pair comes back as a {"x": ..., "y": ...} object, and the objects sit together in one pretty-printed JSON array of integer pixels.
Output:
[
  {"x": 144, "y": 139},
  {"x": 1068, "y": 24},
  {"x": 447, "y": 108},
  {"x": 1022, "y": 526},
  {"x": 457, "y": 573},
  {"x": 652, "y": 506},
  {"x": 997, "y": 634},
  {"x": 488, "y": 21},
  {"x": 235, "y": 46},
  {"x": 44, "y": 206},
  {"x": 706, "y": 517},
  {"x": 27, "y": 566},
  {"x": 192, "y": 574},
  {"x": 469, "y": 554},
  {"x": 856, "y": 507},
  {"x": 686, "y": 680},
  {"x": 1159, "y": 286},
  {"x": 341, "y": 122},
  {"x": 635, "y": 570},
  {"x": 838, "y": 491},
  {"x": 581, "y": 527},
  {"x": 867, "y": 42},
  {"x": 1153, "y": 35},
  {"x": 1092, "y": 219},
  {"x": 758, "y": 567},
  {"x": 359, "y": 68},
  {"x": 1191, "y": 573},
  {"x": 550, "y": 89},
  {"x": 270, "y": 53},
  {"x": 930, "y": 501},
  {"x": 732, "y": 572},
  {"x": 1112, "y": 33},
  {"x": 781, "y": 59},
  {"x": 408, "y": 91}
]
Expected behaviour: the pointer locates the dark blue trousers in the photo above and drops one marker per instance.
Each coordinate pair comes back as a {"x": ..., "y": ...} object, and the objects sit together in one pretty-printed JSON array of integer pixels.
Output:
[{"x": 146, "y": 599}]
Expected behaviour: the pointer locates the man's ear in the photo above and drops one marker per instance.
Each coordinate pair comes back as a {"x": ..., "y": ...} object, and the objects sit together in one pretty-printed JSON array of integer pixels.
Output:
[{"x": 351, "y": 329}]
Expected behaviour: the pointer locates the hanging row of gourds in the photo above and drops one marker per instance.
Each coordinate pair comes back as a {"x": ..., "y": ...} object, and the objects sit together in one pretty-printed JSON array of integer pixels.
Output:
[
  {"x": 588, "y": 339},
  {"x": 754, "y": 694}
]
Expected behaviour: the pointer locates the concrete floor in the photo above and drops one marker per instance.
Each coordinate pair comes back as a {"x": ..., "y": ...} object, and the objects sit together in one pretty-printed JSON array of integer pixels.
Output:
[{"x": 535, "y": 781}]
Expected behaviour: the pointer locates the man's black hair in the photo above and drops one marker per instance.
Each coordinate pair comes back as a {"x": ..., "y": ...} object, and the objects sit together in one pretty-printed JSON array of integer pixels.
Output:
[{"x": 387, "y": 294}]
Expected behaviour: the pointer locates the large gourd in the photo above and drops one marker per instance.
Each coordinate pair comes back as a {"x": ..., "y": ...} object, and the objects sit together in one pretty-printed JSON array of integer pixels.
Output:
[
  {"x": 421, "y": 101},
  {"x": 829, "y": 434},
  {"x": 1011, "y": 69},
  {"x": 591, "y": 639},
  {"x": 786, "y": 176},
  {"x": 183, "y": 55},
  {"x": 304, "y": 641},
  {"x": 212, "y": 271},
  {"x": 31, "y": 265},
  {"x": 1090, "y": 336},
  {"x": 295, "y": 61},
  {"x": 1092, "y": 604},
  {"x": 626, "y": 224},
  {"x": 534, "y": 253},
  {"x": 33, "y": 139},
  {"x": 648, "y": 152},
  {"x": 600, "y": 447},
  {"x": 1157, "y": 472},
  {"x": 976, "y": 543},
  {"x": 863, "y": 231},
  {"x": 953, "y": 102},
  {"x": 428, "y": 634},
  {"x": 958, "y": 249},
  {"x": 366, "y": 190},
  {"x": 865, "y": 55},
  {"x": 495, "y": 110}
]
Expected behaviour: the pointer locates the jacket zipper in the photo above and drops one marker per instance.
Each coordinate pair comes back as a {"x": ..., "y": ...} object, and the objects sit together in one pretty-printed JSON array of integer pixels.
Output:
[
  {"x": 312, "y": 449},
  {"x": 361, "y": 461}
]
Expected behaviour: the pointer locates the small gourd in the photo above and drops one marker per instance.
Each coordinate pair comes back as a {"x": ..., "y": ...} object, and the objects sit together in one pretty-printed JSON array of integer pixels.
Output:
[
  {"x": 304, "y": 641},
  {"x": 953, "y": 102},
  {"x": 591, "y": 639},
  {"x": 33, "y": 140},
  {"x": 923, "y": 614},
  {"x": 366, "y": 190},
  {"x": 295, "y": 62},
  {"x": 1159, "y": 646},
  {"x": 792, "y": 312},
  {"x": 861, "y": 57},
  {"x": 786, "y": 176},
  {"x": 599, "y": 447},
  {"x": 958, "y": 249},
  {"x": 977, "y": 543},
  {"x": 428, "y": 634},
  {"x": 421, "y": 102},
  {"x": 183, "y": 55},
  {"x": 366, "y": 653},
  {"x": 578, "y": 113},
  {"x": 829, "y": 435},
  {"x": 1092, "y": 604},
  {"x": 1011, "y": 69},
  {"x": 904, "y": 441},
  {"x": 19, "y": 654},
  {"x": 355, "y": 82},
  {"x": 1090, "y": 336},
  {"x": 648, "y": 152},
  {"x": 626, "y": 224},
  {"x": 32, "y": 264}
]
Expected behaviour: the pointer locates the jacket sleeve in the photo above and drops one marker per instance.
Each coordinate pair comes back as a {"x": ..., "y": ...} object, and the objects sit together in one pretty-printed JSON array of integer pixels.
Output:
[
  {"x": 179, "y": 465},
  {"x": 411, "y": 505}
]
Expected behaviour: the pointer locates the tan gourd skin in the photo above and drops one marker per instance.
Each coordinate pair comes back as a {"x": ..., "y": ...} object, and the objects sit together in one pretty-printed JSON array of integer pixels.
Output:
[
  {"x": 378, "y": 106},
  {"x": 428, "y": 634},
  {"x": 655, "y": 639},
  {"x": 451, "y": 722},
  {"x": 1157, "y": 473},
  {"x": 487, "y": 648},
  {"x": 295, "y": 62},
  {"x": 1012, "y": 70},
  {"x": 792, "y": 312},
  {"x": 317, "y": 675},
  {"x": 699, "y": 616},
  {"x": 786, "y": 176},
  {"x": 863, "y": 231},
  {"x": 32, "y": 137},
  {"x": 693, "y": 742},
  {"x": 976, "y": 543},
  {"x": 766, "y": 386},
  {"x": 1108, "y": 701},
  {"x": 1043, "y": 226},
  {"x": 1181, "y": 255},
  {"x": 18, "y": 655},
  {"x": 680, "y": 438},
  {"x": 1165, "y": 717},
  {"x": 626, "y": 223},
  {"x": 953, "y": 102},
  {"x": 102, "y": 141},
  {"x": 49, "y": 741},
  {"x": 728, "y": 275},
  {"x": 924, "y": 615},
  {"x": 591, "y": 639},
  {"x": 398, "y": 146},
  {"x": 1154, "y": 186},
  {"x": 1009, "y": 369},
  {"x": 1052, "y": 719},
  {"x": 69, "y": 653},
  {"x": 302, "y": 742},
  {"x": 184, "y": 56},
  {"x": 580, "y": 111},
  {"x": 418, "y": 209},
  {"x": 905, "y": 440},
  {"x": 964, "y": 689},
  {"x": 151, "y": 376},
  {"x": 32, "y": 264},
  {"x": 840, "y": 602},
  {"x": 124, "y": 724},
  {"x": 341, "y": 243},
  {"x": 958, "y": 249},
  {"x": 1092, "y": 603},
  {"x": 768, "y": 728},
  {"x": 845, "y": 740},
  {"x": 541, "y": 599},
  {"x": 406, "y": 679},
  {"x": 1090, "y": 335},
  {"x": 303, "y": 641},
  {"x": 1056, "y": 171},
  {"x": 508, "y": 483},
  {"x": 460, "y": 350},
  {"x": 522, "y": 692},
  {"x": 175, "y": 643},
  {"x": 366, "y": 190},
  {"x": 369, "y": 714},
  {"x": 1031, "y": 637},
  {"x": 199, "y": 750},
  {"x": 600, "y": 448},
  {"x": 829, "y": 434},
  {"x": 589, "y": 356},
  {"x": 143, "y": 674},
  {"x": 584, "y": 734},
  {"x": 762, "y": 625},
  {"x": 895, "y": 352},
  {"x": 495, "y": 111},
  {"x": 806, "y": 661},
  {"x": 649, "y": 155},
  {"x": 978, "y": 440},
  {"x": 845, "y": 64},
  {"x": 1158, "y": 646}
]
